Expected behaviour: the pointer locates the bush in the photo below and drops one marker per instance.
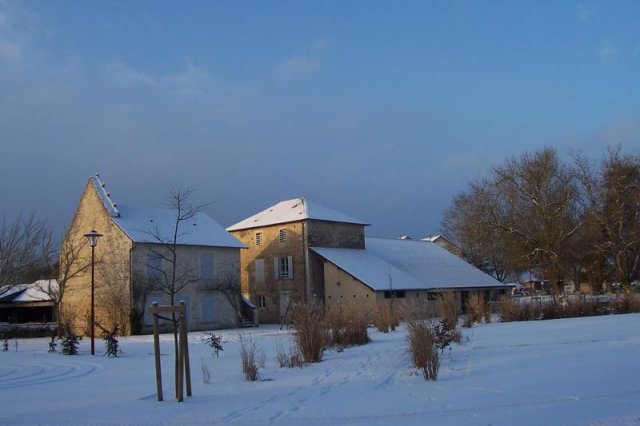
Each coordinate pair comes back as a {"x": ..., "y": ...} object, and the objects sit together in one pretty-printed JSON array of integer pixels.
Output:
[
  {"x": 310, "y": 335},
  {"x": 443, "y": 336},
  {"x": 249, "y": 355},
  {"x": 213, "y": 341},
  {"x": 110, "y": 339},
  {"x": 70, "y": 343},
  {"x": 448, "y": 309},
  {"x": 423, "y": 348},
  {"x": 206, "y": 374},
  {"x": 346, "y": 325},
  {"x": 288, "y": 360},
  {"x": 476, "y": 309},
  {"x": 385, "y": 317}
]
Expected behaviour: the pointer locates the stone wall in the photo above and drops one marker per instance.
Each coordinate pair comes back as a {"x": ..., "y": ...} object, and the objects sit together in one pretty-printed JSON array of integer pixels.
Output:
[
  {"x": 211, "y": 303},
  {"x": 111, "y": 269}
]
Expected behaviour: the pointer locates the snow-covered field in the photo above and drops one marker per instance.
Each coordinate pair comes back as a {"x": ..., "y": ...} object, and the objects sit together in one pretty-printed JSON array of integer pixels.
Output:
[{"x": 572, "y": 371}]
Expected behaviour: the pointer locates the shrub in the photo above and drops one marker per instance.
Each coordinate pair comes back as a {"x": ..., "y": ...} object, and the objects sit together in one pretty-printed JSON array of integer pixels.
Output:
[
  {"x": 385, "y": 317},
  {"x": 206, "y": 374},
  {"x": 310, "y": 335},
  {"x": 288, "y": 360},
  {"x": 476, "y": 309},
  {"x": 448, "y": 309},
  {"x": 213, "y": 341},
  {"x": 443, "y": 337},
  {"x": 249, "y": 355},
  {"x": 423, "y": 348},
  {"x": 110, "y": 338},
  {"x": 346, "y": 325},
  {"x": 70, "y": 343}
]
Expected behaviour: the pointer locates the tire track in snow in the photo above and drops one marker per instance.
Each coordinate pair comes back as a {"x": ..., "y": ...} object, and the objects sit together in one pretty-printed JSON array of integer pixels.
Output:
[{"x": 49, "y": 372}]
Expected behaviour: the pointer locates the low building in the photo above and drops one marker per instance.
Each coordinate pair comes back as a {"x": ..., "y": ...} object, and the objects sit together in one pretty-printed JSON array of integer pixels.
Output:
[
  {"x": 29, "y": 303},
  {"x": 299, "y": 250}
]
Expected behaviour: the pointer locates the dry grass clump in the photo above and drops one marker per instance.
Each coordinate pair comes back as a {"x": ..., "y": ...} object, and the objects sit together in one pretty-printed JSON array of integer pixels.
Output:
[
  {"x": 310, "y": 336},
  {"x": 422, "y": 344},
  {"x": 249, "y": 355},
  {"x": 448, "y": 309},
  {"x": 476, "y": 309},
  {"x": 346, "y": 325},
  {"x": 626, "y": 303},
  {"x": 289, "y": 359},
  {"x": 385, "y": 317}
]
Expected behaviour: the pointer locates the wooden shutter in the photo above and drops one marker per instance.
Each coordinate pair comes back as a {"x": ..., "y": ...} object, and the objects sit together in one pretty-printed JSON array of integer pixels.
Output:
[
  {"x": 290, "y": 263},
  {"x": 276, "y": 268}
]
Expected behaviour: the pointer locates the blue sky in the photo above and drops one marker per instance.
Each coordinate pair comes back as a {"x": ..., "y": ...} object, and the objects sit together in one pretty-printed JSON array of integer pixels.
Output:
[{"x": 382, "y": 110}]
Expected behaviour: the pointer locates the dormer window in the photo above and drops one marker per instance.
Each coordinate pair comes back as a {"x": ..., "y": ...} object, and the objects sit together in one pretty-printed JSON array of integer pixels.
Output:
[{"x": 282, "y": 236}]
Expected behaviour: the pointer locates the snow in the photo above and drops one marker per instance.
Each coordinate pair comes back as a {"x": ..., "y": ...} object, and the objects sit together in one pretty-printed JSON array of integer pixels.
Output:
[
  {"x": 580, "y": 371},
  {"x": 141, "y": 223},
  {"x": 33, "y": 292},
  {"x": 410, "y": 265},
  {"x": 104, "y": 196},
  {"x": 291, "y": 211}
]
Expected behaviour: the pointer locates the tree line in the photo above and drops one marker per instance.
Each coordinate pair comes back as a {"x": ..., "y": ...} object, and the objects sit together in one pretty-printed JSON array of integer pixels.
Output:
[{"x": 575, "y": 220}]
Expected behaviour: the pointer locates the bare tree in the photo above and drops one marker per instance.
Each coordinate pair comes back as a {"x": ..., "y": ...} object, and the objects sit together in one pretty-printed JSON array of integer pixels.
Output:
[
  {"x": 615, "y": 194},
  {"x": 172, "y": 273},
  {"x": 487, "y": 248},
  {"x": 66, "y": 266},
  {"x": 22, "y": 243}
]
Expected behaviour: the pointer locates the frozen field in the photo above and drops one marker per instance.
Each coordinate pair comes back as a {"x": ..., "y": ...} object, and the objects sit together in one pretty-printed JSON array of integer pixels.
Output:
[{"x": 572, "y": 371}]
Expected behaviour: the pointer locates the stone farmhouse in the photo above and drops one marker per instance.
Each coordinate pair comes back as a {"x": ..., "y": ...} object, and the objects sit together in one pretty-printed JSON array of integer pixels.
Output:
[
  {"x": 130, "y": 267},
  {"x": 298, "y": 250}
]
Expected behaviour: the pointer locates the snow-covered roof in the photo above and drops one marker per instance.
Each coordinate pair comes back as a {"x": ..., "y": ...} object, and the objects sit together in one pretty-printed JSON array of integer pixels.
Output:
[
  {"x": 105, "y": 196},
  {"x": 38, "y": 291},
  {"x": 407, "y": 265},
  {"x": 146, "y": 225},
  {"x": 291, "y": 211},
  {"x": 143, "y": 224}
]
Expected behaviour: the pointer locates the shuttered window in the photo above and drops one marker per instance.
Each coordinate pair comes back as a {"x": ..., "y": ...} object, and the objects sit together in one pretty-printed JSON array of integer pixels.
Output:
[
  {"x": 283, "y": 268},
  {"x": 258, "y": 265}
]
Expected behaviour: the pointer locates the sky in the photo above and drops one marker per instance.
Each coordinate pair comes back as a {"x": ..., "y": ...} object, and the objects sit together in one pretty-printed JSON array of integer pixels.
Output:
[{"x": 381, "y": 110}]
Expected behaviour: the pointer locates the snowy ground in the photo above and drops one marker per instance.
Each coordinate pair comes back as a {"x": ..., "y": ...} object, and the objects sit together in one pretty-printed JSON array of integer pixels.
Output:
[{"x": 572, "y": 371}]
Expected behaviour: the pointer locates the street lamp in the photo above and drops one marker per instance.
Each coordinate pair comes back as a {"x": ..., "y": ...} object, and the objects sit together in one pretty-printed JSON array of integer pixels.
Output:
[{"x": 93, "y": 240}]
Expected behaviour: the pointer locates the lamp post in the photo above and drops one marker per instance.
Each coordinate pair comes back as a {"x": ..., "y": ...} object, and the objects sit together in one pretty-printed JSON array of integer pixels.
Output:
[{"x": 93, "y": 240}]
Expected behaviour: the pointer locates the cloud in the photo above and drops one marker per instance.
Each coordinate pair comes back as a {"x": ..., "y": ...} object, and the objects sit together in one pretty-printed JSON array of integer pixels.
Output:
[
  {"x": 586, "y": 11},
  {"x": 125, "y": 76},
  {"x": 10, "y": 51},
  {"x": 191, "y": 80},
  {"x": 305, "y": 64},
  {"x": 608, "y": 52},
  {"x": 298, "y": 66}
]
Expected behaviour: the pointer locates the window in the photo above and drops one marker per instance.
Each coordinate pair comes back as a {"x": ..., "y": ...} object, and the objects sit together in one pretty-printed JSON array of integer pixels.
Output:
[
  {"x": 258, "y": 266},
  {"x": 206, "y": 309},
  {"x": 258, "y": 238},
  {"x": 283, "y": 268},
  {"x": 282, "y": 236},
  {"x": 154, "y": 265},
  {"x": 432, "y": 296},
  {"x": 262, "y": 301},
  {"x": 394, "y": 294},
  {"x": 206, "y": 266}
]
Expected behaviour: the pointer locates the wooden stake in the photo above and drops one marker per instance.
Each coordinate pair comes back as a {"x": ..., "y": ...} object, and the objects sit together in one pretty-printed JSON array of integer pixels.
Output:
[{"x": 156, "y": 349}]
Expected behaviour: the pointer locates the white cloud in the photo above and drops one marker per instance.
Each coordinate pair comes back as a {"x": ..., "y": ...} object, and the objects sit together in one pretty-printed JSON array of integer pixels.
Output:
[
  {"x": 191, "y": 80},
  {"x": 305, "y": 64},
  {"x": 126, "y": 76},
  {"x": 10, "y": 50},
  {"x": 608, "y": 52},
  {"x": 298, "y": 66},
  {"x": 586, "y": 11}
]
